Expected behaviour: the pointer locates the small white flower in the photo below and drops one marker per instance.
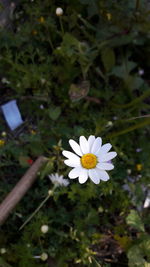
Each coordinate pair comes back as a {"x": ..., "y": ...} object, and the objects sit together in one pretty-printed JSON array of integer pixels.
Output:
[
  {"x": 44, "y": 229},
  {"x": 3, "y": 134},
  {"x": 129, "y": 171},
  {"x": 115, "y": 118},
  {"x": 147, "y": 201},
  {"x": 92, "y": 159},
  {"x": 141, "y": 72},
  {"x": 50, "y": 192},
  {"x": 109, "y": 124},
  {"x": 5, "y": 81},
  {"x": 3, "y": 250},
  {"x": 58, "y": 48},
  {"x": 138, "y": 150},
  {"x": 41, "y": 106},
  {"x": 59, "y": 11},
  {"x": 43, "y": 81},
  {"x": 12, "y": 4},
  {"x": 58, "y": 180},
  {"x": 44, "y": 256}
]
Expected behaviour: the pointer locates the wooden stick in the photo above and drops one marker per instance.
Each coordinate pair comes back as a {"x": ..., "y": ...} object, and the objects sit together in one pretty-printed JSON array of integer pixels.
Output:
[{"x": 20, "y": 189}]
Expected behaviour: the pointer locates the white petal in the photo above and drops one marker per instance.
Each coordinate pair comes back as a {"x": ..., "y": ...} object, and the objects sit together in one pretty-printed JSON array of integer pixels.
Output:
[
  {"x": 74, "y": 145},
  {"x": 84, "y": 145},
  {"x": 105, "y": 166},
  {"x": 96, "y": 145},
  {"x": 83, "y": 176},
  {"x": 104, "y": 149},
  {"x": 107, "y": 156},
  {"x": 103, "y": 175},
  {"x": 70, "y": 155},
  {"x": 74, "y": 173},
  {"x": 94, "y": 176},
  {"x": 72, "y": 163},
  {"x": 91, "y": 140}
]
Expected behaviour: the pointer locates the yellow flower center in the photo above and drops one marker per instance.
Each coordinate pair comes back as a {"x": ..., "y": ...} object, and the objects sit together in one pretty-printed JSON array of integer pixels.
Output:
[
  {"x": 139, "y": 167},
  {"x": 2, "y": 142},
  {"x": 89, "y": 161}
]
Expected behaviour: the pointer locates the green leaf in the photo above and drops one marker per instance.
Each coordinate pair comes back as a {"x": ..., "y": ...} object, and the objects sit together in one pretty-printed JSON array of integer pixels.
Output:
[
  {"x": 92, "y": 6},
  {"x": 54, "y": 113},
  {"x": 122, "y": 40},
  {"x": 134, "y": 220},
  {"x": 124, "y": 241},
  {"x": 134, "y": 102},
  {"x": 47, "y": 169},
  {"x": 145, "y": 245},
  {"x": 37, "y": 148},
  {"x": 123, "y": 70},
  {"x": 139, "y": 255},
  {"x": 3, "y": 263},
  {"x": 70, "y": 40},
  {"x": 108, "y": 58},
  {"x": 135, "y": 257},
  {"x": 134, "y": 82}
]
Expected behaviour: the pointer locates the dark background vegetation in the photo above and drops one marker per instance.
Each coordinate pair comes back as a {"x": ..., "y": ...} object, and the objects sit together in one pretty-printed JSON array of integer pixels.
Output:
[{"x": 85, "y": 72}]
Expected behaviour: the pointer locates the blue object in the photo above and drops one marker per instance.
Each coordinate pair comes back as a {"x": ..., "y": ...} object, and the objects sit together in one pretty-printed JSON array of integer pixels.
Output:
[{"x": 12, "y": 114}]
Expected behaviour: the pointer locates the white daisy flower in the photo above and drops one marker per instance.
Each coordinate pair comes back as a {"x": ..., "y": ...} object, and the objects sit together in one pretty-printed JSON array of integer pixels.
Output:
[
  {"x": 92, "y": 159},
  {"x": 58, "y": 180}
]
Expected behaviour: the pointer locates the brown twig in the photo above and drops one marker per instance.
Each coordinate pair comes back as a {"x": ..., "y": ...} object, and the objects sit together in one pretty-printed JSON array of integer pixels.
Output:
[{"x": 20, "y": 189}]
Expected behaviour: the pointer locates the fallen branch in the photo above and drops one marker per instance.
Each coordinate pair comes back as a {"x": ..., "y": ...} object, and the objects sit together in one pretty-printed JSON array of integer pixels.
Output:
[{"x": 20, "y": 189}]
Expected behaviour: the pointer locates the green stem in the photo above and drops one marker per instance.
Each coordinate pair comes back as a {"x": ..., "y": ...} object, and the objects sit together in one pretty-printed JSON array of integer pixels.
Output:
[
  {"x": 97, "y": 263},
  {"x": 32, "y": 215},
  {"x": 61, "y": 26},
  {"x": 134, "y": 102},
  {"x": 139, "y": 117},
  {"x": 137, "y": 4},
  {"x": 129, "y": 129},
  {"x": 49, "y": 39}
]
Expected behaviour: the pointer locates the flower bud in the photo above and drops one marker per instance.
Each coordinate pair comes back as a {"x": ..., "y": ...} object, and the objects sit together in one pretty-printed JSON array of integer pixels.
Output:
[
  {"x": 44, "y": 256},
  {"x": 44, "y": 229},
  {"x": 41, "y": 19},
  {"x": 109, "y": 124},
  {"x": 141, "y": 72},
  {"x": 50, "y": 192},
  {"x": 3, "y": 134},
  {"x": 3, "y": 250},
  {"x": 59, "y": 11},
  {"x": 128, "y": 171}
]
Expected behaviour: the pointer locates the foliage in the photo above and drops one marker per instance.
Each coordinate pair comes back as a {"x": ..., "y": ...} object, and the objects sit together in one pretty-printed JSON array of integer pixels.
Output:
[{"x": 85, "y": 72}]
